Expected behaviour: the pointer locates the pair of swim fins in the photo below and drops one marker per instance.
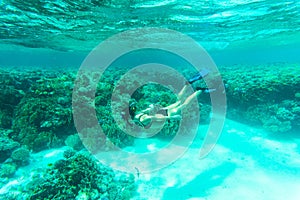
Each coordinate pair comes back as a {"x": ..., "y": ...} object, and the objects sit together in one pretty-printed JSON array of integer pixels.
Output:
[{"x": 198, "y": 76}]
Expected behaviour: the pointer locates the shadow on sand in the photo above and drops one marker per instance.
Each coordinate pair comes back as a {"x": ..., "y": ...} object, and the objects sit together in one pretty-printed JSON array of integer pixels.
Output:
[{"x": 201, "y": 184}]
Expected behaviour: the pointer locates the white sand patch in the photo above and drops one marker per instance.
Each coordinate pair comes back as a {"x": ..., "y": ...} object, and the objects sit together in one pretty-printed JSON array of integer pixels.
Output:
[
  {"x": 176, "y": 174},
  {"x": 53, "y": 153},
  {"x": 152, "y": 147},
  {"x": 257, "y": 184},
  {"x": 8, "y": 186},
  {"x": 245, "y": 164}
]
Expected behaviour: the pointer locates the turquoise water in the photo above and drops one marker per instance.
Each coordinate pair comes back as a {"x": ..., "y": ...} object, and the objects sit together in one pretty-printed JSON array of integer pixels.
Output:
[
  {"x": 254, "y": 28},
  {"x": 49, "y": 139}
]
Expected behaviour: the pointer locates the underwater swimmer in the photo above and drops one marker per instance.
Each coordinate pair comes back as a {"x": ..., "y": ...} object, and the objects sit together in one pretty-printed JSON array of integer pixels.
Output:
[{"x": 155, "y": 115}]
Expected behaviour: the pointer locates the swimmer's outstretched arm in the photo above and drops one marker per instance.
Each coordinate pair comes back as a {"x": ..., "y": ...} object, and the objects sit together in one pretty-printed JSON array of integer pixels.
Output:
[
  {"x": 163, "y": 117},
  {"x": 149, "y": 109},
  {"x": 146, "y": 110}
]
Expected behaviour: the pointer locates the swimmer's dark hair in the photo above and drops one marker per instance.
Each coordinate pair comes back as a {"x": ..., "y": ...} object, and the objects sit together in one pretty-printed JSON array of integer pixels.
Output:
[{"x": 132, "y": 109}]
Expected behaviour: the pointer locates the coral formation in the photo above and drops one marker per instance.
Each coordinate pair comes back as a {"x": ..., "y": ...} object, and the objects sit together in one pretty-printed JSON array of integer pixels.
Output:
[
  {"x": 36, "y": 105},
  {"x": 266, "y": 96},
  {"x": 74, "y": 142},
  {"x": 7, "y": 146},
  {"x": 280, "y": 117},
  {"x": 7, "y": 170},
  {"x": 20, "y": 156},
  {"x": 43, "y": 116},
  {"x": 12, "y": 156},
  {"x": 79, "y": 176}
]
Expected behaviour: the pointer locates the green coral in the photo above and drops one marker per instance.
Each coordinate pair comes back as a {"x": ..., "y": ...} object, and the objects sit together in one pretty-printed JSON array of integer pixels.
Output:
[
  {"x": 85, "y": 105},
  {"x": 10, "y": 96},
  {"x": 80, "y": 176},
  {"x": 285, "y": 114},
  {"x": 36, "y": 104},
  {"x": 69, "y": 153},
  {"x": 275, "y": 125},
  {"x": 264, "y": 95},
  {"x": 7, "y": 146},
  {"x": 20, "y": 156},
  {"x": 12, "y": 155},
  {"x": 43, "y": 118},
  {"x": 249, "y": 85},
  {"x": 74, "y": 142},
  {"x": 5, "y": 118},
  {"x": 280, "y": 117},
  {"x": 7, "y": 170}
]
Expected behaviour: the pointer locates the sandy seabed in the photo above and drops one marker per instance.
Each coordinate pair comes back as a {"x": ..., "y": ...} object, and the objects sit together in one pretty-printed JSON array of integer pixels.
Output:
[{"x": 246, "y": 163}]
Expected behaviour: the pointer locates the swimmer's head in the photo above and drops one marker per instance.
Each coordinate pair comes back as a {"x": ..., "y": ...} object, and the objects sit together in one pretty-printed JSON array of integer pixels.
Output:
[{"x": 132, "y": 109}]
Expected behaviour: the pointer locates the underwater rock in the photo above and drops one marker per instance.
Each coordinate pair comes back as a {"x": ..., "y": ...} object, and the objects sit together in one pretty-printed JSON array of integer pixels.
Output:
[
  {"x": 69, "y": 153},
  {"x": 74, "y": 142},
  {"x": 20, "y": 156},
  {"x": 7, "y": 169},
  {"x": 7, "y": 146},
  {"x": 275, "y": 125},
  {"x": 92, "y": 140}
]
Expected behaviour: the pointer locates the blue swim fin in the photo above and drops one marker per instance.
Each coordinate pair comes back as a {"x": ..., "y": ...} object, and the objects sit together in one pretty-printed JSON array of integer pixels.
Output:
[
  {"x": 198, "y": 76},
  {"x": 206, "y": 90}
]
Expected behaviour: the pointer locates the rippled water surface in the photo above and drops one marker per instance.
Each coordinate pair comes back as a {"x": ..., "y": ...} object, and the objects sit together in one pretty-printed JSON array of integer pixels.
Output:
[{"x": 75, "y": 25}]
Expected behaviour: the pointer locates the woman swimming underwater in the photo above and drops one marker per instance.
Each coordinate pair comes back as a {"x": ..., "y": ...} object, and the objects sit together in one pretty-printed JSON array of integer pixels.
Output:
[{"x": 155, "y": 115}]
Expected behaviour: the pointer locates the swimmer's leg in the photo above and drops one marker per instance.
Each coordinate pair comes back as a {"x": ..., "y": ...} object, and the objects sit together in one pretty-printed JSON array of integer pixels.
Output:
[{"x": 189, "y": 99}]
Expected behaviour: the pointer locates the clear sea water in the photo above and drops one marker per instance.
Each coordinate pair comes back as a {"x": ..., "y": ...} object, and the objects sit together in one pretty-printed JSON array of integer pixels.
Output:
[{"x": 249, "y": 160}]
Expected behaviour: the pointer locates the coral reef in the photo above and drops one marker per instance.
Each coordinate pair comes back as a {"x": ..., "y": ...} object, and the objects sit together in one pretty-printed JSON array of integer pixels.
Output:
[
  {"x": 42, "y": 107},
  {"x": 20, "y": 156},
  {"x": 12, "y": 155},
  {"x": 12, "y": 89},
  {"x": 7, "y": 170},
  {"x": 249, "y": 85},
  {"x": 79, "y": 176},
  {"x": 265, "y": 95},
  {"x": 43, "y": 116},
  {"x": 102, "y": 105},
  {"x": 7, "y": 146},
  {"x": 36, "y": 105},
  {"x": 280, "y": 117}
]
